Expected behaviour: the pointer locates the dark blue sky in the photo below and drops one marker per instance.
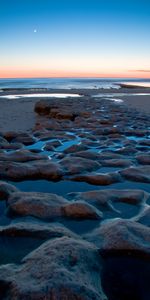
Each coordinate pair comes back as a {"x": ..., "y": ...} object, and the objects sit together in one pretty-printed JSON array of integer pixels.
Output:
[{"x": 74, "y": 37}]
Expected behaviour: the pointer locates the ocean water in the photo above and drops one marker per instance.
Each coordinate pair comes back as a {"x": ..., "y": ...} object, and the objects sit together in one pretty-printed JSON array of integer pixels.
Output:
[{"x": 69, "y": 83}]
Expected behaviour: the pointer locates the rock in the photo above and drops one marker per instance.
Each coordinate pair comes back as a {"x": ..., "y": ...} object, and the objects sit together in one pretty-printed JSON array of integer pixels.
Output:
[
  {"x": 35, "y": 229},
  {"x": 22, "y": 156},
  {"x": 126, "y": 151},
  {"x": 50, "y": 273},
  {"x": 104, "y": 199},
  {"x": 24, "y": 138},
  {"x": 51, "y": 145},
  {"x": 98, "y": 179},
  {"x": 140, "y": 174},
  {"x": 10, "y": 135},
  {"x": 116, "y": 163},
  {"x": 30, "y": 171},
  {"x": 13, "y": 146},
  {"x": 6, "y": 190},
  {"x": 143, "y": 159},
  {"x": 40, "y": 205},
  {"x": 119, "y": 234},
  {"x": 75, "y": 165},
  {"x": 88, "y": 155},
  {"x": 45, "y": 107},
  {"x": 81, "y": 210},
  {"x": 75, "y": 149}
]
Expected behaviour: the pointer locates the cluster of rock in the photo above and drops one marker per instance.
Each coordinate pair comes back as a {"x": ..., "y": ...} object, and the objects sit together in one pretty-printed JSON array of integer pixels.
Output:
[{"x": 79, "y": 241}]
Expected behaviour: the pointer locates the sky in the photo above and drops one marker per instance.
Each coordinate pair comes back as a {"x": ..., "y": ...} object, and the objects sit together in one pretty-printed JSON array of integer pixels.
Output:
[{"x": 74, "y": 38}]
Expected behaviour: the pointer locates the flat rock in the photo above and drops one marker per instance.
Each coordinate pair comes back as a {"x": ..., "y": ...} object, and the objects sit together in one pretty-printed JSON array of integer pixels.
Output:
[
  {"x": 75, "y": 165},
  {"x": 21, "y": 156},
  {"x": 50, "y": 273},
  {"x": 24, "y": 138},
  {"x": 98, "y": 179},
  {"x": 16, "y": 171},
  {"x": 105, "y": 198},
  {"x": 140, "y": 174},
  {"x": 143, "y": 159},
  {"x": 117, "y": 163},
  {"x": 40, "y": 205},
  {"x": 35, "y": 229},
  {"x": 81, "y": 210}
]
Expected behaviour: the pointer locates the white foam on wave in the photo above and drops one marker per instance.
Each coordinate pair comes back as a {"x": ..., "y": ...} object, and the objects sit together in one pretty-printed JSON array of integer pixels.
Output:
[{"x": 40, "y": 96}]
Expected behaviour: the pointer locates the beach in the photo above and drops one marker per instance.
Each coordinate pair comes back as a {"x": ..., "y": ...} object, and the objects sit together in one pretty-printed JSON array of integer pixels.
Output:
[
  {"x": 75, "y": 175},
  {"x": 18, "y": 114}
]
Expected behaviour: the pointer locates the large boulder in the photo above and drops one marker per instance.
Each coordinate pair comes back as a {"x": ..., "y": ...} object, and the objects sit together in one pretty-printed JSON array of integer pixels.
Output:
[{"x": 58, "y": 269}]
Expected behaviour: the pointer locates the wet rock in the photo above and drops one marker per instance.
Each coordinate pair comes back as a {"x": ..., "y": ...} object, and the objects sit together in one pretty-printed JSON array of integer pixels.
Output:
[
  {"x": 30, "y": 171},
  {"x": 81, "y": 210},
  {"x": 117, "y": 163},
  {"x": 21, "y": 156},
  {"x": 13, "y": 146},
  {"x": 140, "y": 174},
  {"x": 6, "y": 190},
  {"x": 74, "y": 165},
  {"x": 143, "y": 159},
  {"x": 119, "y": 234},
  {"x": 40, "y": 205},
  {"x": 88, "y": 155},
  {"x": 55, "y": 111},
  {"x": 75, "y": 149},
  {"x": 98, "y": 179},
  {"x": 10, "y": 135},
  {"x": 35, "y": 229},
  {"x": 43, "y": 107},
  {"x": 109, "y": 155},
  {"x": 24, "y": 138},
  {"x": 104, "y": 199},
  {"x": 126, "y": 151},
  {"x": 51, "y": 145},
  {"x": 50, "y": 273}
]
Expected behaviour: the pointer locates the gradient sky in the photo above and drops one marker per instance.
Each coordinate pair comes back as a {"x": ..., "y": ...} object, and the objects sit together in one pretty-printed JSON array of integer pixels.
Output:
[{"x": 48, "y": 38}]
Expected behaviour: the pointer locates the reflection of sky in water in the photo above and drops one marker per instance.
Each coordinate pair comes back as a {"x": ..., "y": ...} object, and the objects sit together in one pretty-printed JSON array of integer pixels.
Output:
[{"x": 40, "y": 95}]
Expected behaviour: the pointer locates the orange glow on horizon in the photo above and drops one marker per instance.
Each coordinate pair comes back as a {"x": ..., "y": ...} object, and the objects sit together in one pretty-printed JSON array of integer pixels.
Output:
[{"x": 5, "y": 74}]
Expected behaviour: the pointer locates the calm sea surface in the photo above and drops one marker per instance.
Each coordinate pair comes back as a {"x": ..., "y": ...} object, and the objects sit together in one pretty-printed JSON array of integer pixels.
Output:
[{"x": 68, "y": 83}]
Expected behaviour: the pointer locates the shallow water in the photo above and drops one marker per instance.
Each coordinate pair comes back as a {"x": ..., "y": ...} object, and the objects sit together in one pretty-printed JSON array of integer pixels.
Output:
[
  {"x": 64, "y": 187},
  {"x": 54, "y": 95},
  {"x": 13, "y": 249}
]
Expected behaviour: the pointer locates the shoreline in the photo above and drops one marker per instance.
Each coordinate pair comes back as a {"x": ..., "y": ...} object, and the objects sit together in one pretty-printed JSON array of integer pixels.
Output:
[{"x": 18, "y": 114}]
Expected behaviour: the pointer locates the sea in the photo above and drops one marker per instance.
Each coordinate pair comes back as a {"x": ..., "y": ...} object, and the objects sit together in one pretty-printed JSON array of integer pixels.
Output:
[{"x": 70, "y": 83}]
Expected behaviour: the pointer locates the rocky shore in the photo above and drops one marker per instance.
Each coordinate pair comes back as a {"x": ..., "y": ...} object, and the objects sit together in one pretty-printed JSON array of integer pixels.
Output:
[{"x": 75, "y": 198}]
